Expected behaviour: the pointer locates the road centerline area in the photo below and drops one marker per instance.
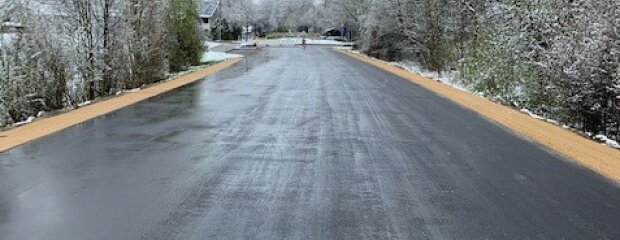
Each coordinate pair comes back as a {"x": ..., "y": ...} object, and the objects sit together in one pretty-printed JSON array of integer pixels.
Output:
[{"x": 298, "y": 144}]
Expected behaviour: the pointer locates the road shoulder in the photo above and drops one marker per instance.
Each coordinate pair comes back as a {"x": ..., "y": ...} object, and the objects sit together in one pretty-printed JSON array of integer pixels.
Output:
[
  {"x": 45, "y": 126},
  {"x": 587, "y": 153}
]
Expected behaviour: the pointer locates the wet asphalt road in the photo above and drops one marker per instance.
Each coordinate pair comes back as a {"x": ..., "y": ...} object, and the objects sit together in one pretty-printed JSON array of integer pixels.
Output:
[{"x": 304, "y": 145}]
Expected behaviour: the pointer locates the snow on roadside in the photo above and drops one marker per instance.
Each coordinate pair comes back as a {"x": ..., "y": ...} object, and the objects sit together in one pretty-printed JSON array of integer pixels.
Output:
[
  {"x": 346, "y": 48},
  {"x": 29, "y": 120},
  {"x": 212, "y": 44},
  {"x": 604, "y": 139},
  {"x": 218, "y": 56},
  {"x": 600, "y": 138},
  {"x": 297, "y": 41},
  {"x": 528, "y": 112},
  {"x": 251, "y": 43},
  {"x": 132, "y": 90},
  {"x": 326, "y": 42},
  {"x": 450, "y": 78},
  {"x": 84, "y": 104}
]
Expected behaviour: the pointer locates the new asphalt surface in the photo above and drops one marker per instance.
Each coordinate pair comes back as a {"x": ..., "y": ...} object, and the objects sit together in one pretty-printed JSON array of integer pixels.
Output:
[{"x": 298, "y": 144}]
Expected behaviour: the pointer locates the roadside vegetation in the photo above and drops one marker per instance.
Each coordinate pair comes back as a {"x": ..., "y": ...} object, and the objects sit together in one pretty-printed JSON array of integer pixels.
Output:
[
  {"x": 61, "y": 54},
  {"x": 557, "y": 58}
]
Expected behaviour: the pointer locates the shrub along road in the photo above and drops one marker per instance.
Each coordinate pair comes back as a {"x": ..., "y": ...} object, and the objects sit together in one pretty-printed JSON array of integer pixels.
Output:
[{"x": 305, "y": 144}]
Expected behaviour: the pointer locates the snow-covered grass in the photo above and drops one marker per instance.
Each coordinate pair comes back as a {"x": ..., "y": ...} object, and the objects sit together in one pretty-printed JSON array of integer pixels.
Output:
[
  {"x": 326, "y": 42},
  {"x": 218, "y": 56},
  {"x": 346, "y": 48},
  {"x": 450, "y": 78},
  {"x": 132, "y": 90},
  {"x": 84, "y": 104},
  {"x": 531, "y": 114},
  {"x": 297, "y": 41},
  {"x": 129, "y": 90},
  {"x": 604, "y": 139},
  {"x": 600, "y": 138},
  {"x": 250, "y": 43},
  {"x": 29, "y": 120},
  {"x": 211, "y": 44},
  {"x": 171, "y": 76}
]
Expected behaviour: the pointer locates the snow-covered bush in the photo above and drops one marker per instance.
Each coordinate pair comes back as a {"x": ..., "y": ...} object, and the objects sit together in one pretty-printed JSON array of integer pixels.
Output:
[
  {"x": 22, "y": 87},
  {"x": 584, "y": 61},
  {"x": 74, "y": 51},
  {"x": 502, "y": 62}
]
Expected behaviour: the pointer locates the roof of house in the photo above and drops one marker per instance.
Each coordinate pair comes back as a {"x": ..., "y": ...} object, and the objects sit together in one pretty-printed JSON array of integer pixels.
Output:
[
  {"x": 208, "y": 8},
  {"x": 12, "y": 24},
  {"x": 10, "y": 27}
]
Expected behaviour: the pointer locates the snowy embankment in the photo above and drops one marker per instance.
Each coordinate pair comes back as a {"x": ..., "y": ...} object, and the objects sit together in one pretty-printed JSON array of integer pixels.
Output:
[
  {"x": 29, "y": 120},
  {"x": 211, "y": 45},
  {"x": 215, "y": 55},
  {"x": 250, "y": 43},
  {"x": 218, "y": 56},
  {"x": 298, "y": 41},
  {"x": 449, "y": 78},
  {"x": 326, "y": 42},
  {"x": 453, "y": 79}
]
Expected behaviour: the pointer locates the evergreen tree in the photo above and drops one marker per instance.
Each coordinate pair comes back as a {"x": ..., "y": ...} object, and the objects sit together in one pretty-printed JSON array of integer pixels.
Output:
[{"x": 185, "y": 41}]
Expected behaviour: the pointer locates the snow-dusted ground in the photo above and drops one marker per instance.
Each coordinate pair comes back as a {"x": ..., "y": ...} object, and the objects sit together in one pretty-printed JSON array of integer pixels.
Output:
[
  {"x": 326, "y": 42},
  {"x": 450, "y": 78},
  {"x": 250, "y": 43},
  {"x": 212, "y": 56},
  {"x": 29, "y": 120},
  {"x": 83, "y": 104},
  {"x": 297, "y": 41},
  {"x": 211, "y": 44},
  {"x": 216, "y": 51},
  {"x": 604, "y": 139}
]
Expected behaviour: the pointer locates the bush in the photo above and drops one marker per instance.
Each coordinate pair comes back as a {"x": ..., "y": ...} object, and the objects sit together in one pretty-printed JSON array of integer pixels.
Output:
[{"x": 226, "y": 31}]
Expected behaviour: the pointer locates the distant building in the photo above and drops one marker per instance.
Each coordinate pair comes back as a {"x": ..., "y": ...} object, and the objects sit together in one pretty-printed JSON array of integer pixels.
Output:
[
  {"x": 210, "y": 15},
  {"x": 11, "y": 27},
  {"x": 333, "y": 34}
]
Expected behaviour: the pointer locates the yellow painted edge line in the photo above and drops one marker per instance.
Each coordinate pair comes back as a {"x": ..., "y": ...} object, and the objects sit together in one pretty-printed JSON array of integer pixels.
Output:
[
  {"x": 45, "y": 126},
  {"x": 594, "y": 156}
]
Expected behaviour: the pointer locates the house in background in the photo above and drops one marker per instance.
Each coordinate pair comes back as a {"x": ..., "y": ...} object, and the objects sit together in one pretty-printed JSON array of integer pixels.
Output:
[
  {"x": 11, "y": 27},
  {"x": 210, "y": 16}
]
